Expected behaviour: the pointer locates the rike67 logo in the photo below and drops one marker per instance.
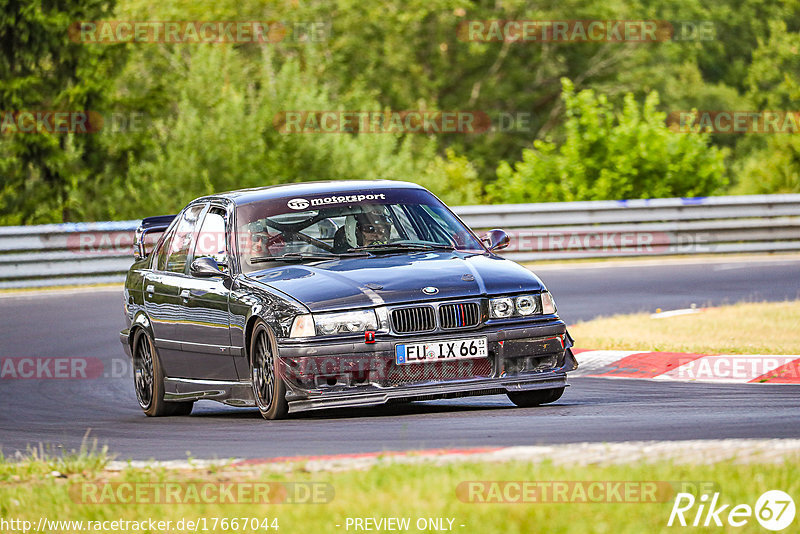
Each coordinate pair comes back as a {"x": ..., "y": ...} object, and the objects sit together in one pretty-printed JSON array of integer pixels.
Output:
[{"x": 774, "y": 510}]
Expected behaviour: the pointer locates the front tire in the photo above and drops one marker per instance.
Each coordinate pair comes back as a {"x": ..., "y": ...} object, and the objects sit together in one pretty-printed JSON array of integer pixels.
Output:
[
  {"x": 527, "y": 399},
  {"x": 148, "y": 380},
  {"x": 268, "y": 387}
]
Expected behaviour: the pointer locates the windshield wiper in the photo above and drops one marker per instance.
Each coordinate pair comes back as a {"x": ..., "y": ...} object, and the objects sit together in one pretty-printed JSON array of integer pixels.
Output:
[
  {"x": 395, "y": 247},
  {"x": 298, "y": 256}
]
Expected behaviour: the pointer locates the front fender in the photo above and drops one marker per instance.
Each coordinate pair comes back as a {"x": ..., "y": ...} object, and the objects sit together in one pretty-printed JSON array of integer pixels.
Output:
[{"x": 251, "y": 301}]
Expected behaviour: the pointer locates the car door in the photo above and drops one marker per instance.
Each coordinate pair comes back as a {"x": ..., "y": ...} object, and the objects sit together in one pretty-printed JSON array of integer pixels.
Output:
[
  {"x": 205, "y": 331},
  {"x": 161, "y": 300},
  {"x": 162, "y": 292}
]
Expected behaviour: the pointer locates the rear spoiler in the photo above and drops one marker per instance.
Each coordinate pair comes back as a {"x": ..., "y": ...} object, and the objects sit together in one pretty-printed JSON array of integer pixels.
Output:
[{"x": 149, "y": 225}]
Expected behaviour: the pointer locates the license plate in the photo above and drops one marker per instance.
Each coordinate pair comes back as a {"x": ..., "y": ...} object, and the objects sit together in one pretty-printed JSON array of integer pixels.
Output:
[{"x": 450, "y": 349}]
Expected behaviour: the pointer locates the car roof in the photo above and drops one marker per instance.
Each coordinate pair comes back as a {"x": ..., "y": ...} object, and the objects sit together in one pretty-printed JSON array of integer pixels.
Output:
[{"x": 245, "y": 196}]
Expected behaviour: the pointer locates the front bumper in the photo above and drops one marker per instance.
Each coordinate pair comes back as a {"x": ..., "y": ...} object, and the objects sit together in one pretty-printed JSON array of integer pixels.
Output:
[
  {"x": 430, "y": 391},
  {"x": 322, "y": 374}
]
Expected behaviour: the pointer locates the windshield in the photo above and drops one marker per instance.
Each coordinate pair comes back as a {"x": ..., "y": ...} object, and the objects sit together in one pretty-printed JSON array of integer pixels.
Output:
[{"x": 347, "y": 224}]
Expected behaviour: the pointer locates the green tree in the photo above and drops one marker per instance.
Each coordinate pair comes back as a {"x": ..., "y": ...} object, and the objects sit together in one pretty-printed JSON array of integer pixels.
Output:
[
  {"x": 42, "y": 70},
  {"x": 771, "y": 170},
  {"x": 772, "y": 161},
  {"x": 209, "y": 108},
  {"x": 774, "y": 75},
  {"x": 223, "y": 135},
  {"x": 608, "y": 155},
  {"x": 454, "y": 179}
]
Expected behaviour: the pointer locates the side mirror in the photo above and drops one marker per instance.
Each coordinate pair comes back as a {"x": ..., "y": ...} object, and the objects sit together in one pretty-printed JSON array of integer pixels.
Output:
[
  {"x": 206, "y": 268},
  {"x": 496, "y": 239}
]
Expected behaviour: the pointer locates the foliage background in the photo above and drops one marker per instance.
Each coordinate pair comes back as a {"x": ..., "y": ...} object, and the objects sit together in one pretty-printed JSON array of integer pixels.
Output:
[{"x": 204, "y": 112}]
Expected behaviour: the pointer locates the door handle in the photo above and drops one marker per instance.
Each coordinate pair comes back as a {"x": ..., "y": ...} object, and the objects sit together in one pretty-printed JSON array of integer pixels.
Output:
[{"x": 150, "y": 288}]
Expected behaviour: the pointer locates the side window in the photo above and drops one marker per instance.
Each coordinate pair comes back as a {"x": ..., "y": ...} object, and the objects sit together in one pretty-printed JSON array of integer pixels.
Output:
[
  {"x": 211, "y": 241},
  {"x": 163, "y": 251},
  {"x": 183, "y": 239}
]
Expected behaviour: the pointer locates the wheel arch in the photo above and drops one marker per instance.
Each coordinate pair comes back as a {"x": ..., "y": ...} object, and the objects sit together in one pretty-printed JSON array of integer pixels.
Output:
[
  {"x": 248, "y": 334},
  {"x": 141, "y": 322}
]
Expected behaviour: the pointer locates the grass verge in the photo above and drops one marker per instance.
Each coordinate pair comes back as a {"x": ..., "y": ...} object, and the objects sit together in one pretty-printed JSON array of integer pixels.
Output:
[
  {"x": 414, "y": 491},
  {"x": 761, "y": 328},
  {"x": 48, "y": 461}
]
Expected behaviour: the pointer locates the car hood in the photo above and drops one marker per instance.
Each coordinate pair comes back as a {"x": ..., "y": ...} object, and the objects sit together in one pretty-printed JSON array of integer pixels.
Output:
[{"x": 397, "y": 278}]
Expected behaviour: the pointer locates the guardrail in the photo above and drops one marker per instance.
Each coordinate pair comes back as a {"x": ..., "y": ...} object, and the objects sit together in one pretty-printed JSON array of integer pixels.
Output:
[{"x": 82, "y": 253}]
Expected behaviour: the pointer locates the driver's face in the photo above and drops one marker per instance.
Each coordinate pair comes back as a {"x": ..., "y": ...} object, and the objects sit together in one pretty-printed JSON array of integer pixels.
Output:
[{"x": 374, "y": 233}]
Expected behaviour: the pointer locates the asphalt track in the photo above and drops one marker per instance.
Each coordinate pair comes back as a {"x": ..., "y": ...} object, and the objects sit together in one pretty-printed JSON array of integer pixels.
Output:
[{"x": 58, "y": 412}]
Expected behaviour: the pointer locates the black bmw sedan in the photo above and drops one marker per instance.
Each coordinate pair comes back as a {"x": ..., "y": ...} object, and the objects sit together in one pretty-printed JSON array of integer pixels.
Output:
[{"x": 332, "y": 295}]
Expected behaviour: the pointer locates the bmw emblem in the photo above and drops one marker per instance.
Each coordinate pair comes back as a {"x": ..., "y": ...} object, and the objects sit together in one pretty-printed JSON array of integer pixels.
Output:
[{"x": 430, "y": 290}]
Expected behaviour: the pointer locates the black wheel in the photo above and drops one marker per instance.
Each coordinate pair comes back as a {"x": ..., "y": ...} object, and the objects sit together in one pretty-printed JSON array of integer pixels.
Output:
[
  {"x": 526, "y": 399},
  {"x": 148, "y": 380},
  {"x": 268, "y": 388}
]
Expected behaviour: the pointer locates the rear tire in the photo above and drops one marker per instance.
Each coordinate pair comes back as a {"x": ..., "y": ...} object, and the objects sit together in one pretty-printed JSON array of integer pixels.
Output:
[
  {"x": 527, "y": 399},
  {"x": 268, "y": 387},
  {"x": 148, "y": 380}
]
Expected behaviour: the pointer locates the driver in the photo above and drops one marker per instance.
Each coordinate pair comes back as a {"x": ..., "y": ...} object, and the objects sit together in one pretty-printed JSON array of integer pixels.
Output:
[{"x": 370, "y": 227}]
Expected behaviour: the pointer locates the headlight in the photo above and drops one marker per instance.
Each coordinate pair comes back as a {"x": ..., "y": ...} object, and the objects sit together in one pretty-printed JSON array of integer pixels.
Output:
[
  {"x": 522, "y": 306},
  {"x": 525, "y": 304},
  {"x": 503, "y": 307},
  {"x": 328, "y": 324}
]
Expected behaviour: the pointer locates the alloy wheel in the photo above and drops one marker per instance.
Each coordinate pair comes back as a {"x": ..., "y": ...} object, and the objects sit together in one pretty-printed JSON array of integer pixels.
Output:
[
  {"x": 143, "y": 372},
  {"x": 263, "y": 371}
]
